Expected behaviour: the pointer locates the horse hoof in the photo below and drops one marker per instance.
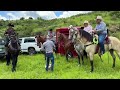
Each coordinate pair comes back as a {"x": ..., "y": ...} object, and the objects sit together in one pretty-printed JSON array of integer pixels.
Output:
[
  {"x": 8, "y": 64},
  {"x": 13, "y": 70},
  {"x": 91, "y": 71},
  {"x": 113, "y": 66}
]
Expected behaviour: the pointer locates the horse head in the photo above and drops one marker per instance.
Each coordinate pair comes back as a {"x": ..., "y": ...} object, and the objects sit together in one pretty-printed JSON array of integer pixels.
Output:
[{"x": 73, "y": 33}]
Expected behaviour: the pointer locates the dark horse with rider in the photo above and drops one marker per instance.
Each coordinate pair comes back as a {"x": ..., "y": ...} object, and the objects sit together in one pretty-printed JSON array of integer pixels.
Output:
[{"x": 12, "y": 46}]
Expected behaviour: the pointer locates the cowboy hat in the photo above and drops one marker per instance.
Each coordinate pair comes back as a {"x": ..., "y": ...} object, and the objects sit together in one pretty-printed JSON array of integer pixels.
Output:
[
  {"x": 99, "y": 17},
  {"x": 86, "y": 22}
]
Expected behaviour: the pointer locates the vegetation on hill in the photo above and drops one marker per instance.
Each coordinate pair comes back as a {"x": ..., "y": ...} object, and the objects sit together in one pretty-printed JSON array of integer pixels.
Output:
[{"x": 29, "y": 27}]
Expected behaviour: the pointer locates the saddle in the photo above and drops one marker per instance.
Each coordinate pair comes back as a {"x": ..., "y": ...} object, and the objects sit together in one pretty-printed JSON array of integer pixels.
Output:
[{"x": 107, "y": 41}]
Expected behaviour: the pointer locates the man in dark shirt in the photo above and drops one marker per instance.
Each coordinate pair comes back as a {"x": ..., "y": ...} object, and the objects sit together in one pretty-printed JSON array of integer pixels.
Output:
[{"x": 10, "y": 31}]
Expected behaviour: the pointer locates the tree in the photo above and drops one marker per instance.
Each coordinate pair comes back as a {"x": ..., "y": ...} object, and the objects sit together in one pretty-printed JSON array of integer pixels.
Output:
[
  {"x": 22, "y": 18},
  {"x": 30, "y": 18}
]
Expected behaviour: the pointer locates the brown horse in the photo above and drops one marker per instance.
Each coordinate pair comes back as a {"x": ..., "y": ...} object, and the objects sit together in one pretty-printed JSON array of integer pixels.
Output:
[{"x": 68, "y": 47}]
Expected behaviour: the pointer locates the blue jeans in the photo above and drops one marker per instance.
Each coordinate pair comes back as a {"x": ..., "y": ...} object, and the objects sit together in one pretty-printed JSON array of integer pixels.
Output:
[
  {"x": 101, "y": 42},
  {"x": 49, "y": 56}
]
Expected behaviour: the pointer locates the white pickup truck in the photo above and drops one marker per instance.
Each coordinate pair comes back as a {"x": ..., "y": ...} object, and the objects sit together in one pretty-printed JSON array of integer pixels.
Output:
[{"x": 29, "y": 45}]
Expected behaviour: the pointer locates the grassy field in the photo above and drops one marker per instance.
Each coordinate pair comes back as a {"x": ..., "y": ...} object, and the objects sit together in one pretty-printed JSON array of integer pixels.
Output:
[{"x": 33, "y": 67}]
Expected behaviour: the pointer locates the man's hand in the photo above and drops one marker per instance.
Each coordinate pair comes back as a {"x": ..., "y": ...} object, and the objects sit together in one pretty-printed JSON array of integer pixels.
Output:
[{"x": 94, "y": 31}]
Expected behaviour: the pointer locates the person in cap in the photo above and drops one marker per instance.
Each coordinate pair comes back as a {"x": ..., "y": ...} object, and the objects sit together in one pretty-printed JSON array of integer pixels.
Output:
[
  {"x": 10, "y": 31},
  {"x": 51, "y": 34},
  {"x": 49, "y": 47},
  {"x": 101, "y": 30},
  {"x": 87, "y": 27}
]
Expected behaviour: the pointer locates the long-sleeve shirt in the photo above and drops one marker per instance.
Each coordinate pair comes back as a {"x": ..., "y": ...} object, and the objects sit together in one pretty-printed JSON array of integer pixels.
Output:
[
  {"x": 10, "y": 31},
  {"x": 48, "y": 46},
  {"x": 101, "y": 28},
  {"x": 88, "y": 29}
]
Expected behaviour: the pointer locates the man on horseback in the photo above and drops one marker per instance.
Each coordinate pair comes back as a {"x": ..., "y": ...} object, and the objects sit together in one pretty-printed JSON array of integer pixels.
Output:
[
  {"x": 101, "y": 30},
  {"x": 8, "y": 33}
]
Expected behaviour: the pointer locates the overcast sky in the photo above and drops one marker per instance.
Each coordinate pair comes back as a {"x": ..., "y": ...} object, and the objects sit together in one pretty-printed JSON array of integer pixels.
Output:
[{"x": 13, "y": 15}]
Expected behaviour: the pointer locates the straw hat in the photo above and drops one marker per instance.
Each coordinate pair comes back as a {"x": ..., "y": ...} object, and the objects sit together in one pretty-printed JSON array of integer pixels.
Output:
[
  {"x": 99, "y": 17},
  {"x": 86, "y": 22}
]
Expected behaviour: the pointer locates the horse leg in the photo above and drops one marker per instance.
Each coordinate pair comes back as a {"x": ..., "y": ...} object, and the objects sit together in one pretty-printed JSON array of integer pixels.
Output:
[
  {"x": 13, "y": 63},
  {"x": 67, "y": 57},
  {"x": 118, "y": 53},
  {"x": 82, "y": 58},
  {"x": 91, "y": 61},
  {"x": 113, "y": 56},
  {"x": 8, "y": 56},
  {"x": 85, "y": 53},
  {"x": 79, "y": 59},
  {"x": 100, "y": 58}
]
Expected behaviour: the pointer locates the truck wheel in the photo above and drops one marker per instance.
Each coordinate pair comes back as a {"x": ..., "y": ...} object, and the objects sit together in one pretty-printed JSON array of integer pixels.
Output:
[{"x": 31, "y": 51}]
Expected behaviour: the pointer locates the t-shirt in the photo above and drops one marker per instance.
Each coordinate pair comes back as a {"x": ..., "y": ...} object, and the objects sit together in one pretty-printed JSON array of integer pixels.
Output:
[{"x": 48, "y": 46}]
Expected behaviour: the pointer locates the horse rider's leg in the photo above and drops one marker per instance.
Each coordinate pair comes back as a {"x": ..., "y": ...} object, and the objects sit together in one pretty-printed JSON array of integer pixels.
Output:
[
  {"x": 47, "y": 60},
  {"x": 52, "y": 61},
  {"x": 113, "y": 56},
  {"x": 91, "y": 61},
  {"x": 101, "y": 42}
]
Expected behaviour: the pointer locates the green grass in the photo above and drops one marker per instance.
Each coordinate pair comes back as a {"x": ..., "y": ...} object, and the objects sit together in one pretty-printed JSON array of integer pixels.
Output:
[{"x": 33, "y": 67}]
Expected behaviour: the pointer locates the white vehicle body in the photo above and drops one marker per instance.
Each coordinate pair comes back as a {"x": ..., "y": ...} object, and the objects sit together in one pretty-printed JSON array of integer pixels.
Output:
[{"x": 27, "y": 43}]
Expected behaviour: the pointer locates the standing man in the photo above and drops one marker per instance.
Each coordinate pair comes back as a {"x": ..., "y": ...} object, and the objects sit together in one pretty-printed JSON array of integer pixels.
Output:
[
  {"x": 49, "y": 46},
  {"x": 51, "y": 34},
  {"x": 101, "y": 30},
  {"x": 10, "y": 31}
]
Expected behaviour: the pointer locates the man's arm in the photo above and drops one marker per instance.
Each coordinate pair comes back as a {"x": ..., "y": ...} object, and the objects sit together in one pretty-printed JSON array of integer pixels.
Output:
[
  {"x": 103, "y": 26},
  {"x": 53, "y": 46}
]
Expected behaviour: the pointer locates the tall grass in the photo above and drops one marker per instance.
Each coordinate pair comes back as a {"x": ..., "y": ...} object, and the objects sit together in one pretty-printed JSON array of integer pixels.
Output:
[{"x": 33, "y": 67}]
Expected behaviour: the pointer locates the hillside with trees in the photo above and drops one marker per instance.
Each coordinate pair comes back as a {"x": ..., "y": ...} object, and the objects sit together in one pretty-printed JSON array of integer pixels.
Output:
[{"x": 30, "y": 26}]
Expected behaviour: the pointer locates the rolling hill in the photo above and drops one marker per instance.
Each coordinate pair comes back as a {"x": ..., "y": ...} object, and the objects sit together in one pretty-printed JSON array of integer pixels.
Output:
[{"x": 29, "y": 27}]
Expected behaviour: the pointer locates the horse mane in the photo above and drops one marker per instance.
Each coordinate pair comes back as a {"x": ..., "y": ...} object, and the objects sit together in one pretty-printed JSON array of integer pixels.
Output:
[{"x": 86, "y": 35}]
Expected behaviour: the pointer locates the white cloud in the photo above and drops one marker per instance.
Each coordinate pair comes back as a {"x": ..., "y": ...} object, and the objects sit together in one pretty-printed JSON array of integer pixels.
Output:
[
  {"x": 12, "y": 16},
  {"x": 71, "y": 13},
  {"x": 46, "y": 14},
  {"x": 4, "y": 18}
]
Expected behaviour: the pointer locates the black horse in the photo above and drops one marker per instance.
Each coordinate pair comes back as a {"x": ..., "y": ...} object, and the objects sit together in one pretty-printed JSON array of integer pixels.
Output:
[{"x": 13, "y": 52}]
